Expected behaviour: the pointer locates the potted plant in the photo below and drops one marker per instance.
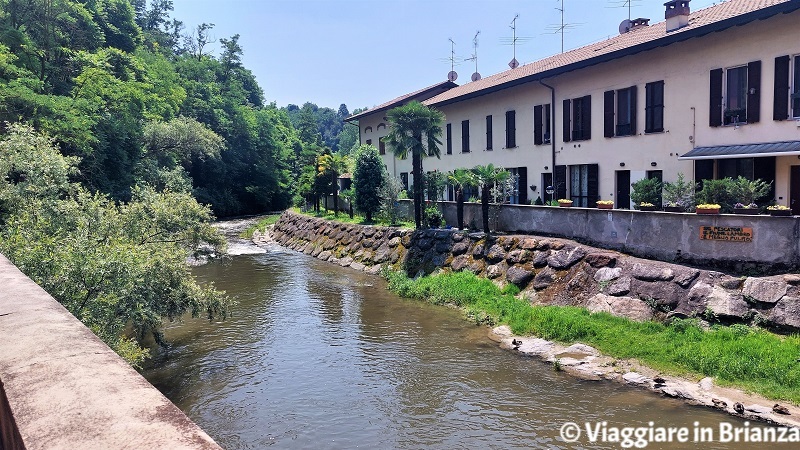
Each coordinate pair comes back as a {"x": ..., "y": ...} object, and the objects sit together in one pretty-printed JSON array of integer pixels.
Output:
[
  {"x": 605, "y": 204},
  {"x": 708, "y": 208},
  {"x": 679, "y": 195},
  {"x": 747, "y": 193},
  {"x": 646, "y": 191},
  {"x": 751, "y": 209},
  {"x": 779, "y": 210},
  {"x": 564, "y": 202},
  {"x": 647, "y": 206}
]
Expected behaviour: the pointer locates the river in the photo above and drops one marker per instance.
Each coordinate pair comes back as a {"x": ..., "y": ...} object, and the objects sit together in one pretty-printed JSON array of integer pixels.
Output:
[{"x": 318, "y": 356}]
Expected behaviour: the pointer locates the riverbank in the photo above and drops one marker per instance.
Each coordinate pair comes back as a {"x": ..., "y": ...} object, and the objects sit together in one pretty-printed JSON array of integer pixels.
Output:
[{"x": 551, "y": 272}]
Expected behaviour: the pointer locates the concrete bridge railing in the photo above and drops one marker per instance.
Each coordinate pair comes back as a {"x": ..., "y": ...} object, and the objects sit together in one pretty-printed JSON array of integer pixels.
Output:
[{"x": 63, "y": 388}]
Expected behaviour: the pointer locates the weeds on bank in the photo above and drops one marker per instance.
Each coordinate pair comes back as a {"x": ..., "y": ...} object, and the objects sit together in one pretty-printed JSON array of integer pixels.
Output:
[
  {"x": 261, "y": 226},
  {"x": 737, "y": 355}
]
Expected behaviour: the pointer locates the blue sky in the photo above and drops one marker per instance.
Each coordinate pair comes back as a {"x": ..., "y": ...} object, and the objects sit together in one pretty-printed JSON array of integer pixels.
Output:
[{"x": 365, "y": 52}]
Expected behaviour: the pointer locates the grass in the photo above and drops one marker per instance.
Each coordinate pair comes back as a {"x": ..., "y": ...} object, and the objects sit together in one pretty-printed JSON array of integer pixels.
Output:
[
  {"x": 344, "y": 217},
  {"x": 749, "y": 358},
  {"x": 261, "y": 226}
]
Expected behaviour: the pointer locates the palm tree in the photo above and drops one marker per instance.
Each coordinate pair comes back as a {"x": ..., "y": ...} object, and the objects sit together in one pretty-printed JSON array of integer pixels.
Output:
[
  {"x": 460, "y": 179},
  {"x": 331, "y": 167},
  {"x": 415, "y": 129},
  {"x": 486, "y": 177}
]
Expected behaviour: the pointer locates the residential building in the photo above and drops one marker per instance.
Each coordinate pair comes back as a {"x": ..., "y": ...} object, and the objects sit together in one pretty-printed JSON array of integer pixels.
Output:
[{"x": 710, "y": 93}]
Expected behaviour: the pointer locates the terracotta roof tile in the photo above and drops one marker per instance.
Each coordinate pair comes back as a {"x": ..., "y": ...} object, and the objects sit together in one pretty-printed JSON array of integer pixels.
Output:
[
  {"x": 636, "y": 36},
  {"x": 402, "y": 99}
]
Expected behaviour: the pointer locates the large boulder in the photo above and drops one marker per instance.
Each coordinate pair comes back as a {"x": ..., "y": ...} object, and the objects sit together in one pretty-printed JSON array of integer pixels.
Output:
[
  {"x": 725, "y": 303},
  {"x": 786, "y": 312},
  {"x": 605, "y": 274},
  {"x": 564, "y": 259},
  {"x": 631, "y": 308},
  {"x": 763, "y": 290},
  {"x": 519, "y": 276},
  {"x": 651, "y": 272}
]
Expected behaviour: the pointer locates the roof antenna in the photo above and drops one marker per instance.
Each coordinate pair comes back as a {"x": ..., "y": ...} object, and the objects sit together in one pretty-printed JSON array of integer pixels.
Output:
[
  {"x": 624, "y": 4},
  {"x": 513, "y": 42},
  {"x": 563, "y": 26},
  {"x": 475, "y": 76},
  {"x": 452, "y": 76}
]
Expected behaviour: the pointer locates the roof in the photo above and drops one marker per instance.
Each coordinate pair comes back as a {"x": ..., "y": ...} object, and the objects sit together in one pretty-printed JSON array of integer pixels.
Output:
[
  {"x": 714, "y": 18},
  {"x": 427, "y": 92},
  {"x": 784, "y": 148}
]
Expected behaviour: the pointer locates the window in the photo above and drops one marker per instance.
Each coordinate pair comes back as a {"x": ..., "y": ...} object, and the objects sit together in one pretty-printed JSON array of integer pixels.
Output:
[
  {"x": 735, "y": 95},
  {"x": 654, "y": 107},
  {"x": 511, "y": 129},
  {"x": 583, "y": 184},
  {"x": 796, "y": 88},
  {"x": 578, "y": 119},
  {"x": 381, "y": 147},
  {"x": 465, "y": 136},
  {"x": 488, "y": 132},
  {"x": 404, "y": 180},
  {"x": 368, "y": 130},
  {"x": 380, "y": 125},
  {"x": 619, "y": 121},
  {"x": 541, "y": 124},
  {"x": 449, "y": 138},
  {"x": 369, "y": 141}
]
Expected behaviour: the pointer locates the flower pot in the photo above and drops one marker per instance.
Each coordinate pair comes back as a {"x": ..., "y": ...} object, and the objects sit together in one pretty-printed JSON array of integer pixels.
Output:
[
  {"x": 565, "y": 204},
  {"x": 647, "y": 208},
  {"x": 746, "y": 211},
  {"x": 780, "y": 212},
  {"x": 605, "y": 206},
  {"x": 674, "y": 209},
  {"x": 707, "y": 211}
]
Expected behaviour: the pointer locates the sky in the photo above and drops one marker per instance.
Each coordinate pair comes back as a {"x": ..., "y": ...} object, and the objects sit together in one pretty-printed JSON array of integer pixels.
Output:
[{"x": 365, "y": 52}]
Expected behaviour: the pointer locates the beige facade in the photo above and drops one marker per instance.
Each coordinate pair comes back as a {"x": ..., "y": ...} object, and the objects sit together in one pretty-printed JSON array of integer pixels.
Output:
[{"x": 686, "y": 72}]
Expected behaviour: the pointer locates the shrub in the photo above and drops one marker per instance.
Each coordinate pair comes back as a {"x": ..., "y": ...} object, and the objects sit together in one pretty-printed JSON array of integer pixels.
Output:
[
  {"x": 646, "y": 190},
  {"x": 748, "y": 192},
  {"x": 679, "y": 193},
  {"x": 717, "y": 192}
]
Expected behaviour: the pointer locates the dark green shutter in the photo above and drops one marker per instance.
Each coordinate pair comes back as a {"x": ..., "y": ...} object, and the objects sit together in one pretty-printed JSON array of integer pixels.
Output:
[
  {"x": 633, "y": 110},
  {"x": 566, "y": 118},
  {"x": 523, "y": 185},
  {"x": 715, "y": 98},
  {"x": 592, "y": 185},
  {"x": 780, "y": 104},
  {"x": 560, "y": 175},
  {"x": 753, "y": 92},
  {"x": 586, "y": 123},
  {"x": 608, "y": 114}
]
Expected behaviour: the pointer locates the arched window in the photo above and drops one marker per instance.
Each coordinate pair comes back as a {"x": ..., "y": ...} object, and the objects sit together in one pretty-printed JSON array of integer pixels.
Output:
[
  {"x": 368, "y": 130},
  {"x": 381, "y": 125}
]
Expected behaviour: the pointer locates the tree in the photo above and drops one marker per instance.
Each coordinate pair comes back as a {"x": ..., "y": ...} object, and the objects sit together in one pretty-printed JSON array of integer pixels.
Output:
[
  {"x": 330, "y": 167},
  {"x": 486, "y": 177},
  {"x": 646, "y": 190},
  {"x": 415, "y": 129},
  {"x": 368, "y": 179},
  {"x": 112, "y": 265},
  {"x": 460, "y": 179}
]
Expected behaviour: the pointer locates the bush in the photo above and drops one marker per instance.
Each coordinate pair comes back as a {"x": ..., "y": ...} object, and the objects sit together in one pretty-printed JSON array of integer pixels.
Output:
[
  {"x": 433, "y": 217},
  {"x": 747, "y": 192},
  {"x": 367, "y": 180},
  {"x": 647, "y": 190},
  {"x": 717, "y": 192},
  {"x": 680, "y": 193}
]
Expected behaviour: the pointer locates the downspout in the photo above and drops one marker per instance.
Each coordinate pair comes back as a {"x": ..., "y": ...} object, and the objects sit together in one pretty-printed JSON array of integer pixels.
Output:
[{"x": 552, "y": 130}]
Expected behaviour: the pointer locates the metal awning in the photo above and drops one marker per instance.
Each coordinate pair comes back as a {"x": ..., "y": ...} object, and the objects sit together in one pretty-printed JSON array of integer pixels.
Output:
[{"x": 785, "y": 148}]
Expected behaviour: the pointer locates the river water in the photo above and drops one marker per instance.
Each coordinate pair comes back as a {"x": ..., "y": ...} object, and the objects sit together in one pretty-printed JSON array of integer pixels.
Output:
[{"x": 318, "y": 356}]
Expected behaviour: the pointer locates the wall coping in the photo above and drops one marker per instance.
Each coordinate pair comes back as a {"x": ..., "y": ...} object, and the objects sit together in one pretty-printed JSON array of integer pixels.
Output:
[{"x": 67, "y": 389}]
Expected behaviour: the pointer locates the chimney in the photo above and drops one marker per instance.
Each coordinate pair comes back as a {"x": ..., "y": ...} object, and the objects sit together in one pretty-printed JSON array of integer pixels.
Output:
[
  {"x": 677, "y": 14},
  {"x": 640, "y": 22}
]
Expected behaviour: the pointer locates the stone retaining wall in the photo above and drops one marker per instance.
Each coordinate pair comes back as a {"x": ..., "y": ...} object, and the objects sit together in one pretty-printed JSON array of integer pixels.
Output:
[
  {"x": 65, "y": 389},
  {"x": 553, "y": 271}
]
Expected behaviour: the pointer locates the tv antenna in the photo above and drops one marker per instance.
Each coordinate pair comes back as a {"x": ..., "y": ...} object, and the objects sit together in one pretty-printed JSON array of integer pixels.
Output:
[
  {"x": 475, "y": 76},
  {"x": 563, "y": 27},
  {"x": 513, "y": 42},
  {"x": 452, "y": 76},
  {"x": 624, "y": 4}
]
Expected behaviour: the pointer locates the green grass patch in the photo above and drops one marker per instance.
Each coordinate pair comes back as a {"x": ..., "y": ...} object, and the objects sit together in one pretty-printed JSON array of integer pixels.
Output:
[
  {"x": 344, "y": 217},
  {"x": 749, "y": 358},
  {"x": 261, "y": 226}
]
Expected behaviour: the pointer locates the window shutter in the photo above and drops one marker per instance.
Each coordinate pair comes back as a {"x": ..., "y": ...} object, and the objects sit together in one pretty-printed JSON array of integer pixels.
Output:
[
  {"x": 537, "y": 125},
  {"x": 465, "y": 136},
  {"x": 608, "y": 114},
  {"x": 633, "y": 110},
  {"x": 592, "y": 184},
  {"x": 715, "y": 98},
  {"x": 566, "y": 129},
  {"x": 511, "y": 129},
  {"x": 560, "y": 175},
  {"x": 489, "y": 132},
  {"x": 523, "y": 185},
  {"x": 780, "y": 104},
  {"x": 449, "y": 139},
  {"x": 586, "y": 125},
  {"x": 754, "y": 86}
]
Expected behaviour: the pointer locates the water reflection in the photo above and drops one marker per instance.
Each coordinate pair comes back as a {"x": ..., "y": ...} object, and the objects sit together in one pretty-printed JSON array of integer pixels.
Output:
[{"x": 325, "y": 357}]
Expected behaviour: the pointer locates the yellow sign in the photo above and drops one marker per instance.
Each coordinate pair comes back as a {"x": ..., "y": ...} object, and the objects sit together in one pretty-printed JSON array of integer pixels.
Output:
[{"x": 733, "y": 234}]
